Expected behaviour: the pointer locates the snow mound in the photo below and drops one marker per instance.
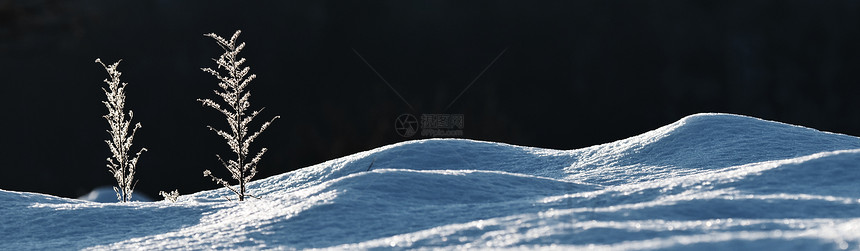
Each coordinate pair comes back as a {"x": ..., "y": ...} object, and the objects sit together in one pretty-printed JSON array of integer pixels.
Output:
[
  {"x": 708, "y": 181},
  {"x": 701, "y": 142},
  {"x": 106, "y": 194}
]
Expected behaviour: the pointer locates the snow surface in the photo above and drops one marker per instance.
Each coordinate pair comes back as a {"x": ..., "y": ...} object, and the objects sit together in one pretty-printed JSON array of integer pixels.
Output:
[
  {"x": 708, "y": 181},
  {"x": 106, "y": 194}
]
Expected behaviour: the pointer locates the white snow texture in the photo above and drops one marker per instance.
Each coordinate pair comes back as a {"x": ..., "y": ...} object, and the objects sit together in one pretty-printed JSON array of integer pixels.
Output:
[
  {"x": 708, "y": 181},
  {"x": 106, "y": 194}
]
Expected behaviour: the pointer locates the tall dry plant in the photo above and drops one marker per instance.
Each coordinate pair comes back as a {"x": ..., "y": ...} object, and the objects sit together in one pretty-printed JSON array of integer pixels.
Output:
[
  {"x": 121, "y": 165},
  {"x": 236, "y": 97}
]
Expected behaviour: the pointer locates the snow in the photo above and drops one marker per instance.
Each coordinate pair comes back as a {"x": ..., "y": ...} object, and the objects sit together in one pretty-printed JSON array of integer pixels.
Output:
[
  {"x": 708, "y": 181},
  {"x": 106, "y": 194}
]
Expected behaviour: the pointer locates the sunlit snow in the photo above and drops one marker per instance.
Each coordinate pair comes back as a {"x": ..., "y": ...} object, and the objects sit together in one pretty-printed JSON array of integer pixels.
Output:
[
  {"x": 708, "y": 181},
  {"x": 106, "y": 194}
]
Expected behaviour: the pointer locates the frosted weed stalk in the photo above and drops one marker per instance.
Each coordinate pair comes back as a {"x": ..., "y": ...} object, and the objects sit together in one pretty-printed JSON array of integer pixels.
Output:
[
  {"x": 120, "y": 165},
  {"x": 171, "y": 196},
  {"x": 236, "y": 99}
]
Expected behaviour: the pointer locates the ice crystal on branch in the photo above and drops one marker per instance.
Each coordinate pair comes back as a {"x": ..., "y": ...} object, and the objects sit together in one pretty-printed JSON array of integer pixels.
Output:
[
  {"x": 121, "y": 165},
  {"x": 233, "y": 92}
]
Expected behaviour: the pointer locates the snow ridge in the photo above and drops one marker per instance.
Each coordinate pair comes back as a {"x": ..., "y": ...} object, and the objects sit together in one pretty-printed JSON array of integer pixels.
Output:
[{"x": 708, "y": 181}]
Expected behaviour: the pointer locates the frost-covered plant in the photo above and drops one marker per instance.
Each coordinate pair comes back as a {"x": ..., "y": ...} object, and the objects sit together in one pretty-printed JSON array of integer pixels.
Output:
[
  {"x": 171, "y": 196},
  {"x": 121, "y": 165},
  {"x": 233, "y": 92}
]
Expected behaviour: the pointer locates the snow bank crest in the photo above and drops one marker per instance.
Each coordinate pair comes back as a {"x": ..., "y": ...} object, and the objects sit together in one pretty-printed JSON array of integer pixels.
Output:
[
  {"x": 701, "y": 142},
  {"x": 708, "y": 181}
]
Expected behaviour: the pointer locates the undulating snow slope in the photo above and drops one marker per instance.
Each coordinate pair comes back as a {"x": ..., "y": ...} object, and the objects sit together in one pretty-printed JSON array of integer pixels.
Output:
[{"x": 708, "y": 181}]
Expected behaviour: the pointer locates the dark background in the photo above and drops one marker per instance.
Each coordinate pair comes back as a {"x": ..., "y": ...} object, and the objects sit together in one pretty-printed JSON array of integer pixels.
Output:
[{"x": 575, "y": 74}]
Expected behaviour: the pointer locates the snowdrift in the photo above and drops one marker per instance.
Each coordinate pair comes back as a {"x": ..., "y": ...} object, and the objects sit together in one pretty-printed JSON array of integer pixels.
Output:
[
  {"x": 712, "y": 181},
  {"x": 106, "y": 194}
]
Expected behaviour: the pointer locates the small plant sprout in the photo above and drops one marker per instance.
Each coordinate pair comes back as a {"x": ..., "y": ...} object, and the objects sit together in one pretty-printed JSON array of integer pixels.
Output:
[
  {"x": 171, "y": 196},
  {"x": 121, "y": 165},
  {"x": 233, "y": 91}
]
